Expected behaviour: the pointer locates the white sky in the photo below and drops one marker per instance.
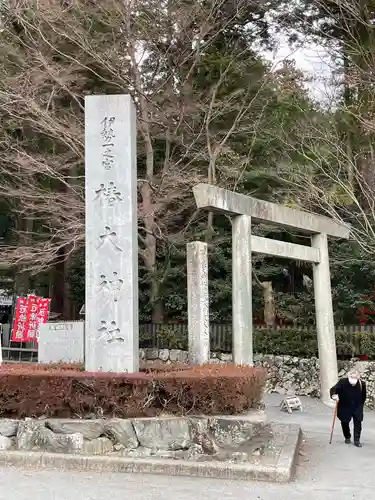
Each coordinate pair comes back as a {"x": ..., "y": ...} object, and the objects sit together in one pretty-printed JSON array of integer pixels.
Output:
[{"x": 315, "y": 63}]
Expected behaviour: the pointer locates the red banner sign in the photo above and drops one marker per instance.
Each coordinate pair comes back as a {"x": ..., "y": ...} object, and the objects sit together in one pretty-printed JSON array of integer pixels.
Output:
[
  {"x": 19, "y": 324},
  {"x": 31, "y": 312}
]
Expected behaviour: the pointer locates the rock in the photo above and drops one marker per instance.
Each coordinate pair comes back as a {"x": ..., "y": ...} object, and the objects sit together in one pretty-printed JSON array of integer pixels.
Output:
[
  {"x": 27, "y": 433},
  {"x": 178, "y": 356},
  {"x": 198, "y": 426},
  {"x": 8, "y": 427},
  {"x": 152, "y": 354},
  {"x": 99, "y": 446},
  {"x": 279, "y": 390},
  {"x": 202, "y": 436},
  {"x": 58, "y": 443},
  {"x": 163, "y": 433},
  {"x": 174, "y": 455},
  {"x": 231, "y": 433},
  {"x": 142, "y": 354},
  {"x": 140, "y": 452},
  {"x": 239, "y": 457},
  {"x": 194, "y": 451},
  {"x": 164, "y": 354},
  {"x": 90, "y": 429},
  {"x": 173, "y": 354},
  {"x": 278, "y": 361},
  {"x": 121, "y": 431},
  {"x": 35, "y": 436},
  {"x": 207, "y": 441},
  {"x": 225, "y": 357},
  {"x": 184, "y": 356},
  {"x": 6, "y": 443}
]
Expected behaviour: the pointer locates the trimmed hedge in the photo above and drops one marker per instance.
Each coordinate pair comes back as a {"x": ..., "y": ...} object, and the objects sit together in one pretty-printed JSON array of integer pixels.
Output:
[
  {"x": 304, "y": 343},
  {"x": 35, "y": 391},
  {"x": 284, "y": 341}
]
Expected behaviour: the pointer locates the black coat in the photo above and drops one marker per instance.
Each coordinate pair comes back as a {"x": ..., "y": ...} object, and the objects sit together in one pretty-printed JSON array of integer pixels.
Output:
[{"x": 351, "y": 399}]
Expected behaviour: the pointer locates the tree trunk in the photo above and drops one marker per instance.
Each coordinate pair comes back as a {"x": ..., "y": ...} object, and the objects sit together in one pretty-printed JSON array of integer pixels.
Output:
[
  {"x": 210, "y": 216},
  {"x": 210, "y": 227},
  {"x": 69, "y": 312},
  {"x": 149, "y": 241},
  {"x": 269, "y": 304},
  {"x": 22, "y": 282},
  {"x": 60, "y": 299},
  {"x": 149, "y": 254},
  {"x": 157, "y": 315},
  {"x": 58, "y": 289},
  {"x": 349, "y": 123},
  {"x": 22, "y": 278}
]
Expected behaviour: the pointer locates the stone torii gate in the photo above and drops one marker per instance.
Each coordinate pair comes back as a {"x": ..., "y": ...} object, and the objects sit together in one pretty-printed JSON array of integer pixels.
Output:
[{"x": 244, "y": 210}]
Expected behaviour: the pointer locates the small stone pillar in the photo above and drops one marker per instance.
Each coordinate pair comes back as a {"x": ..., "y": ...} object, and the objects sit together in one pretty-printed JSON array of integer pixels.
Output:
[
  {"x": 325, "y": 327},
  {"x": 242, "y": 341},
  {"x": 198, "y": 309}
]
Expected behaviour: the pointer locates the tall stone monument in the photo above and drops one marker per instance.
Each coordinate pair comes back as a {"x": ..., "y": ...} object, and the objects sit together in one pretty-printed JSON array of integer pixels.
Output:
[
  {"x": 246, "y": 209},
  {"x": 111, "y": 305},
  {"x": 198, "y": 309}
]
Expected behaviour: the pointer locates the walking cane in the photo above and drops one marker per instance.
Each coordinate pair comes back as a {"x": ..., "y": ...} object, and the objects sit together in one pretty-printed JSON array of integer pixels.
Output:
[{"x": 333, "y": 422}]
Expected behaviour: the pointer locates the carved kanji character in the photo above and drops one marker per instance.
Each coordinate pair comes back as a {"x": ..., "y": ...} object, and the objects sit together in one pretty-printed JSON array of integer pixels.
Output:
[
  {"x": 108, "y": 133},
  {"x": 109, "y": 236},
  {"x": 114, "y": 285},
  {"x": 109, "y": 193},
  {"x": 110, "y": 332}
]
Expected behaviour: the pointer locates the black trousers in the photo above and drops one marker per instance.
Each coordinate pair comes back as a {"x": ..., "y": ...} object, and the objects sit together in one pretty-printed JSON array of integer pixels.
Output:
[{"x": 357, "y": 429}]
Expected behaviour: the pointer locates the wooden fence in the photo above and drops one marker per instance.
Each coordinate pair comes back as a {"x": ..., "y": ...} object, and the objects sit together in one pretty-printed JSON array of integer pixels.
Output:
[
  {"x": 281, "y": 340},
  {"x": 175, "y": 335}
]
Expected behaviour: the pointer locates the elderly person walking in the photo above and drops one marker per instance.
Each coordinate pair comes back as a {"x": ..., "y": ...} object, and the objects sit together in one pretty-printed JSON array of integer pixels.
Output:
[{"x": 350, "y": 393}]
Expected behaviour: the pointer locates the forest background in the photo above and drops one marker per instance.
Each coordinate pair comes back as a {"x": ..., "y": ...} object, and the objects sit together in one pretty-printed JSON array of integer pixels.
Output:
[{"x": 211, "y": 108}]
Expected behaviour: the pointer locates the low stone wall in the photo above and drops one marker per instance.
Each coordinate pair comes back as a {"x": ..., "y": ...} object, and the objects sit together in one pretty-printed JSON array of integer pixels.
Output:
[
  {"x": 187, "y": 438},
  {"x": 287, "y": 374},
  {"x": 301, "y": 376}
]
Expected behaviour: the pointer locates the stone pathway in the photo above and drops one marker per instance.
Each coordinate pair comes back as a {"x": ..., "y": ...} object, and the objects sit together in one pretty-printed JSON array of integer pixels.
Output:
[{"x": 324, "y": 471}]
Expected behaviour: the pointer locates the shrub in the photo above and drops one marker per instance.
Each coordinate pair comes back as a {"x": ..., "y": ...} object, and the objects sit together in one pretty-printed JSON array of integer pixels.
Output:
[
  {"x": 210, "y": 389},
  {"x": 365, "y": 343},
  {"x": 172, "y": 339},
  {"x": 304, "y": 343},
  {"x": 292, "y": 341},
  {"x": 160, "y": 366},
  {"x": 288, "y": 341},
  {"x": 164, "y": 337}
]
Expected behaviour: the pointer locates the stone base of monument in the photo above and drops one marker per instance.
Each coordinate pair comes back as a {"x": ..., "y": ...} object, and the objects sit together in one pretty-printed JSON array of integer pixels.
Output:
[{"x": 239, "y": 447}]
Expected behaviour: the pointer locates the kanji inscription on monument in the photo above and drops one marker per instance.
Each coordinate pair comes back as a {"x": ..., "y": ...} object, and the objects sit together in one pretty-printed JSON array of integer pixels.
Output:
[
  {"x": 109, "y": 193},
  {"x": 111, "y": 329}
]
